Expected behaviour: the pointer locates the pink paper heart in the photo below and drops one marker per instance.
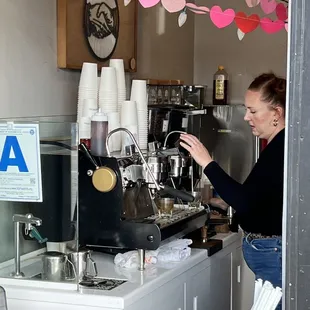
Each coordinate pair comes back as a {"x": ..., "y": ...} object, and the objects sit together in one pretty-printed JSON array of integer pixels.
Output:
[
  {"x": 270, "y": 26},
  {"x": 252, "y": 3},
  {"x": 221, "y": 19},
  {"x": 197, "y": 9},
  {"x": 173, "y": 6},
  {"x": 198, "y": 12},
  {"x": 281, "y": 11},
  {"x": 148, "y": 3},
  {"x": 268, "y": 6},
  {"x": 286, "y": 27}
]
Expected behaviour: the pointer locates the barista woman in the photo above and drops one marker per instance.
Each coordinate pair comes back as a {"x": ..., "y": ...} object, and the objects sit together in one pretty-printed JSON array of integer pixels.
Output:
[{"x": 258, "y": 201}]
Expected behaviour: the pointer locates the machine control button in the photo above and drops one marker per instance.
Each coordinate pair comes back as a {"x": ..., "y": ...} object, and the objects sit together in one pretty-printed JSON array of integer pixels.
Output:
[{"x": 104, "y": 179}]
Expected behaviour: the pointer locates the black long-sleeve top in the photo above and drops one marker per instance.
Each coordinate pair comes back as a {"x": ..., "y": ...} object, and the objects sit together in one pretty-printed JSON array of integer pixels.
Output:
[{"x": 258, "y": 202}]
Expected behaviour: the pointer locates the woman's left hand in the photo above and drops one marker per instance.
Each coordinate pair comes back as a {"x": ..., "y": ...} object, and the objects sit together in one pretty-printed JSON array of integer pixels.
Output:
[{"x": 196, "y": 149}]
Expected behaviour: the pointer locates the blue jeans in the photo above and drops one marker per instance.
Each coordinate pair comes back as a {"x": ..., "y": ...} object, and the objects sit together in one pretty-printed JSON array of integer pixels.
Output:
[{"x": 264, "y": 258}]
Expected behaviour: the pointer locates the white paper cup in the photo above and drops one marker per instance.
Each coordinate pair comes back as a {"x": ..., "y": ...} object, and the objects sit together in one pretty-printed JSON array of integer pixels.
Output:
[
  {"x": 108, "y": 79},
  {"x": 118, "y": 64},
  {"x": 84, "y": 128},
  {"x": 129, "y": 113},
  {"x": 90, "y": 107},
  {"x": 89, "y": 75},
  {"x": 126, "y": 139},
  {"x": 139, "y": 92},
  {"x": 115, "y": 142}
]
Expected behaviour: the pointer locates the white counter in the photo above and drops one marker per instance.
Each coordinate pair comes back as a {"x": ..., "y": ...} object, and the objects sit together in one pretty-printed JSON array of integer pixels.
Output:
[{"x": 32, "y": 294}]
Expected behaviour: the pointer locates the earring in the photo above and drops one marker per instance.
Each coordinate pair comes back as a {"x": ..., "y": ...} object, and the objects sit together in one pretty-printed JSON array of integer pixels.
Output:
[{"x": 275, "y": 122}]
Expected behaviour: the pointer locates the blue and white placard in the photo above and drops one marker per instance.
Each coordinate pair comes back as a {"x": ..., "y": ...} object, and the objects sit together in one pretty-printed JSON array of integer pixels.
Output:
[{"x": 20, "y": 164}]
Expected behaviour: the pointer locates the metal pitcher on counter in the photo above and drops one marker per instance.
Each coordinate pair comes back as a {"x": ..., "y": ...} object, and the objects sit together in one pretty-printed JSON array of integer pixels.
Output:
[
  {"x": 82, "y": 262},
  {"x": 56, "y": 267},
  {"x": 60, "y": 267}
]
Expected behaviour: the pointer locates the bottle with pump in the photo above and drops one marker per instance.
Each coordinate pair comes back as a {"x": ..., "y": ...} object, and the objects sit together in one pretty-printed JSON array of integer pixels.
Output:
[
  {"x": 99, "y": 133},
  {"x": 220, "y": 87}
]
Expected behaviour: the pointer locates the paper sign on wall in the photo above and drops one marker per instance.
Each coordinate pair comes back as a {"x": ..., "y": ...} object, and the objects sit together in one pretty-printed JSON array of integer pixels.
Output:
[{"x": 20, "y": 164}]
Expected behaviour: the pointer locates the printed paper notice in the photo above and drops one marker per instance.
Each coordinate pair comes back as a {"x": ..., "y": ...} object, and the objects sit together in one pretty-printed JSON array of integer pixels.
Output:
[{"x": 20, "y": 164}]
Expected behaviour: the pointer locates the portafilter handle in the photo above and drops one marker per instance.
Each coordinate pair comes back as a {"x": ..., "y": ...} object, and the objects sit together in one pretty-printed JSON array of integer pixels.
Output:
[{"x": 185, "y": 196}]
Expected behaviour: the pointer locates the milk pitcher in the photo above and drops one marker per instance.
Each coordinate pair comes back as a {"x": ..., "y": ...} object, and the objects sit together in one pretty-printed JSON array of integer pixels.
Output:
[
  {"x": 83, "y": 264},
  {"x": 56, "y": 267}
]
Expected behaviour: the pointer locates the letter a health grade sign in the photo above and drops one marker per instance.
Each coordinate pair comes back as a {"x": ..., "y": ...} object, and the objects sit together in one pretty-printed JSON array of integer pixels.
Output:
[{"x": 20, "y": 164}]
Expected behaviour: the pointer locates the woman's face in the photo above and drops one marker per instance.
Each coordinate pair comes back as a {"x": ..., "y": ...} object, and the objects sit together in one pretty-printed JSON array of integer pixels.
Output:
[{"x": 260, "y": 115}]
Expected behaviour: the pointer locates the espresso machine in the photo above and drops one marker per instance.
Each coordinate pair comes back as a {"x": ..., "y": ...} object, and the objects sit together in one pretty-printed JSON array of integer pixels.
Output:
[{"x": 116, "y": 204}]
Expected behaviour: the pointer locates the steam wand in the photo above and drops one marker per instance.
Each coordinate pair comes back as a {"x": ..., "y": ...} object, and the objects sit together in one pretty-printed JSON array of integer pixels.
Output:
[
  {"x": 138, "y": 149},
  {"x": 168, "y": 135}
]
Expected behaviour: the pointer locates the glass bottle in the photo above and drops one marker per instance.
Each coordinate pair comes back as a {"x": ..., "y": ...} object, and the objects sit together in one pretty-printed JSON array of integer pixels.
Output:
[{"x": 220, "y": 87}]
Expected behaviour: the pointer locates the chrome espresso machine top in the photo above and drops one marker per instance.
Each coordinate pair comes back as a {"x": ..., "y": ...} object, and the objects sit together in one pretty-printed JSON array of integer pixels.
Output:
[{"x": 116, "y": 199}]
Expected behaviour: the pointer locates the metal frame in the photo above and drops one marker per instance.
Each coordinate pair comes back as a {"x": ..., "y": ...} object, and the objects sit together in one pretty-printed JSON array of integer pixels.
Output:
[{"x": 296, "y": 212}]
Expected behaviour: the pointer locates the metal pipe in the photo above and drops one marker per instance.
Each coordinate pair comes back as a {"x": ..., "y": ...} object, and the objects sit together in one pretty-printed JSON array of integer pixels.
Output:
[
  {"x": 138, "y": 149},
  {"x": 141, "y": 254},
  {"x": 175, "y": 131},
  {"x": 17, "y": 273},
  {"x": 27, "y": 219}
]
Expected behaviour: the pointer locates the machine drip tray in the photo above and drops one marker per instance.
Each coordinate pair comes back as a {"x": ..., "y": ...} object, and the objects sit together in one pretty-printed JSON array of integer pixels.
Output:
[
  {"x": 101, "y": 283},
  {"x": 94, "y": 283},
  {"x": 37, "y": 277},
  {"x": 177, "y": 216}
]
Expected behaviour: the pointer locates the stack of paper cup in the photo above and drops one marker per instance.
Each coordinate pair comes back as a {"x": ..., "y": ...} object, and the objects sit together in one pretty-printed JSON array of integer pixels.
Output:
[
  {"x": 115, "y": 141},
  {"x": 88, "y": 86},
  {"x": 129, "y": 113},
  {"x": 139, "y": 95},
  {"x": 84, "y": 128},
  {"x": 127, "y": 140},
  {"x": 129, "y": 120},
  {"x": 118, "y": 64},
  {"x": 90, "y": 107},
  {"x": 108, "y": 90}
]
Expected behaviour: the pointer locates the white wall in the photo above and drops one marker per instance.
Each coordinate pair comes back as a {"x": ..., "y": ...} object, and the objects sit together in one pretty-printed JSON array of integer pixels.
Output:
[
  {"x": 30, "y": 83},
  {"x": 258, "y": 52},
  {"x": 164, "y": 50}
]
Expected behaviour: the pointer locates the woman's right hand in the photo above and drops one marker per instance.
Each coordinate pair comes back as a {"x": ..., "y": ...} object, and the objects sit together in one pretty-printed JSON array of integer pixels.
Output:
[
  {"x": 196, "y": 149},
  {"x": 218, "y": 203}
]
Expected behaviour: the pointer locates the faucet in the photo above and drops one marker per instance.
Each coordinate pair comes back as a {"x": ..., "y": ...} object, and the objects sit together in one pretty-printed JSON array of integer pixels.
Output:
[{"x": 29, "y": 220}]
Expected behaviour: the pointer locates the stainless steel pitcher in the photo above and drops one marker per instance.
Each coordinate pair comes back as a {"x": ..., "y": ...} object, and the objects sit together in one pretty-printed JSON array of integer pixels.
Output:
[
  {"x": 56, "y": 267},
  {"x": 82, "y": 263}
]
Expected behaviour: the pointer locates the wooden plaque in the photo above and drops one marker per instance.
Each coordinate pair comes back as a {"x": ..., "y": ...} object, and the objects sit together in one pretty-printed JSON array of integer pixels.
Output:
[{"x": 72, "y": 31}]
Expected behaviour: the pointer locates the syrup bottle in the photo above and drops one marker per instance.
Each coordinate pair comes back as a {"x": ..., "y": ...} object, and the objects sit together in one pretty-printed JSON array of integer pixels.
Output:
[
  {"x": 99, "y": 133},
  {"x": 220, "y": 87}
]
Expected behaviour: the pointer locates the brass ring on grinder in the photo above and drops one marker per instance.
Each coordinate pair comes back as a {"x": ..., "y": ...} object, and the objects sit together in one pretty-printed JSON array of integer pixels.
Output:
[{"x": 104, "y": 179}]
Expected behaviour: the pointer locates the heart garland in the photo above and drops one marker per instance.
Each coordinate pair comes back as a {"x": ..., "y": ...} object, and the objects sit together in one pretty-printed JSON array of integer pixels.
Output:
[
  {"x": 246, "y": 23},
  {"x": 223, "y": 18}
]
